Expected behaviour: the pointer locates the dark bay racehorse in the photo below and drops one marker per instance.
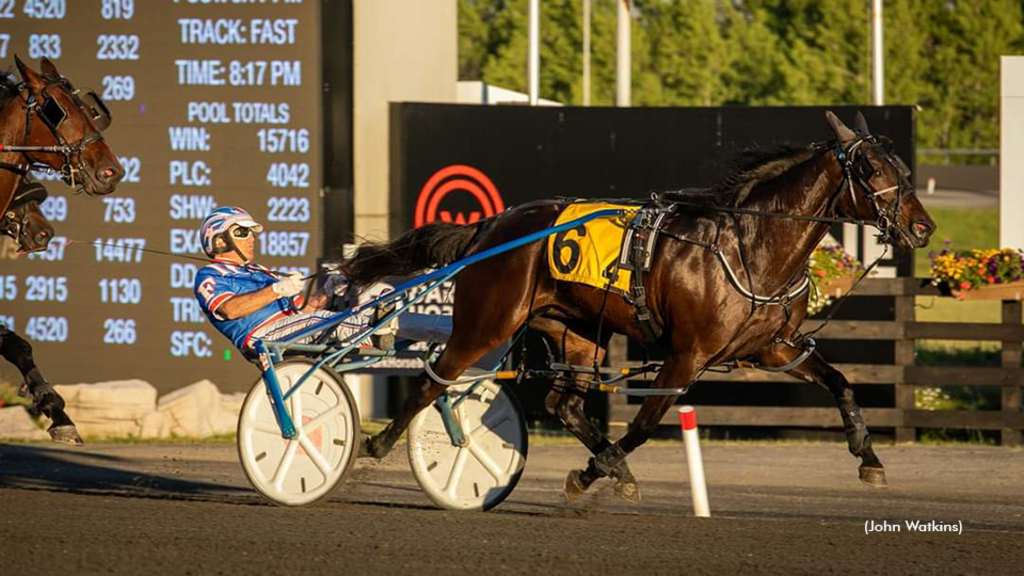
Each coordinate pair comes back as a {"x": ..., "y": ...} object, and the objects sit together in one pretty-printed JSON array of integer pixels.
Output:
[
  {"x": 46, "y": 123},
  {"x": 702, "y": 316}
]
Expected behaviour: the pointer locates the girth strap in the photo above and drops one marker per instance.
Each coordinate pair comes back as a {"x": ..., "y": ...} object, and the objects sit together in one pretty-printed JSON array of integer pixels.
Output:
[{"x": 636, "y": 254}]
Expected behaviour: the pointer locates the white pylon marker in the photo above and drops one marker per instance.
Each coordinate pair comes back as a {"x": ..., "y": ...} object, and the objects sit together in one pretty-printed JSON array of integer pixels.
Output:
[{"x": 694, "y": 462}]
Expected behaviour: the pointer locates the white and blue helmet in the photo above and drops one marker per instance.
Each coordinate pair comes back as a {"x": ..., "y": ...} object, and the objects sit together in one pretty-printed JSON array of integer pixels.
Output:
[{"x": 220, "y": 221}]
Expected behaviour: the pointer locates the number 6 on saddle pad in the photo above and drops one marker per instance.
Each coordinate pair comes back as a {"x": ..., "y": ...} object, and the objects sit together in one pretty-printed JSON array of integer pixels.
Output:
[{"x": 589, "y": 253}]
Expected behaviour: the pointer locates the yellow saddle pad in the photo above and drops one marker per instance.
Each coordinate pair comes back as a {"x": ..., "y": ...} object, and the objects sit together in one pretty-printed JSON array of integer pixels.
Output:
[{"x": 588, "y": 253}]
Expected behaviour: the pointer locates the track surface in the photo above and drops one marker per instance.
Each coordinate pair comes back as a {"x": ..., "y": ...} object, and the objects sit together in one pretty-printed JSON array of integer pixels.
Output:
[{"x": 777, "y": 509}]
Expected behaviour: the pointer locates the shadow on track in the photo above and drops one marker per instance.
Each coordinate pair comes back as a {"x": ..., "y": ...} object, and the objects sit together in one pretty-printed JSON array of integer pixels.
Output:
[{"x": 27, "y": 467}]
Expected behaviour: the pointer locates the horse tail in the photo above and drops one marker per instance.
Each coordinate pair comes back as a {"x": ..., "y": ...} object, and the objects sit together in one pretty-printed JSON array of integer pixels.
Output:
[{"x": 429, "y": 246}]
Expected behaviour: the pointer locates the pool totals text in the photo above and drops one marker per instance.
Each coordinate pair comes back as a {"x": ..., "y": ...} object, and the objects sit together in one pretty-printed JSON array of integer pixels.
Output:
[{"x": 215, "y": 102}]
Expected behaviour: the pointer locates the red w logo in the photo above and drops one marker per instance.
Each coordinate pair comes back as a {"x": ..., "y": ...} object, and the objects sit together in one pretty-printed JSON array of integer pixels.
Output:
[{"x": 464, "y": 179}]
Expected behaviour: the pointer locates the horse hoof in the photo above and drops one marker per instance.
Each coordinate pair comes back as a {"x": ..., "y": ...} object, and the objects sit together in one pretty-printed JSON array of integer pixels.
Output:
[
  {"x": 874, "y": 477},
  {"x": 574, "y": 487},
  {"x": 66, "y": 434},
  {"x": 370, "y": 449},
  {"x": 365, "y": 450},
  {"x": 628, "y": 491}
]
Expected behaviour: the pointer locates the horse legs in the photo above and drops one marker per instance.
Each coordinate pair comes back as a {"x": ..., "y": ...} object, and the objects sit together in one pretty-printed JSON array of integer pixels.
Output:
[
  {"x": 422, "y": 396},
  {"x": 45, "y": 399},
  {"x": 469, "y": 342},
  {"x": 816, "y": 369},
  {"x": 566, "y": 403},
  {"x": 677, "y": 371}
]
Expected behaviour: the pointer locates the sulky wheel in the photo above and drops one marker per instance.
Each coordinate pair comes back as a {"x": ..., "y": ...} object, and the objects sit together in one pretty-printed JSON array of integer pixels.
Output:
[
  {"x": 481, "y": 474},
  {"x": 305, "y": 470}
]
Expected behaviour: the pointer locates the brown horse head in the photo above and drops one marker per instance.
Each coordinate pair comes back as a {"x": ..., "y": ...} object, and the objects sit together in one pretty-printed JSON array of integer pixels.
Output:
[
  {"x": 61, "y": 116},
  {"x": 25, "y": 222},
  {"x": 878, "y": 186}
]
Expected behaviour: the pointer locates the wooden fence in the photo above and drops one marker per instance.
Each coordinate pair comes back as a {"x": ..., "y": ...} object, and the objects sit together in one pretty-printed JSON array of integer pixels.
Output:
[{"x": 905, "y": 330}]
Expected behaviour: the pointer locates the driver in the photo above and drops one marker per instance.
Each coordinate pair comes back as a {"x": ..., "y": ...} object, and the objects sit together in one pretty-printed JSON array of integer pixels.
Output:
[{"x": 246, "y": 301}]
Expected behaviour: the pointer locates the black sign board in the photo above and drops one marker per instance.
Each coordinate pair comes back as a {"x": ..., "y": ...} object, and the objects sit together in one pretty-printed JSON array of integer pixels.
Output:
[{"x": 461, "y": 163}]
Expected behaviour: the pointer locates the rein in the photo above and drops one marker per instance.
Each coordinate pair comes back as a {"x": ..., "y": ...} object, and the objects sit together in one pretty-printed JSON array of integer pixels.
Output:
[
  {"x": 279, "y": 274},
  {"x": 883, "y": 222},
  {"x": 847, "y": 159}
]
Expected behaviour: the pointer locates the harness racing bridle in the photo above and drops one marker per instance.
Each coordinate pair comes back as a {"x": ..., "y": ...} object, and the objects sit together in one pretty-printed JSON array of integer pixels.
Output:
[
  {"x": 52, "y": 115},
  {"x": 11, "y": 224},
  {"x": 857, "y": 169}
]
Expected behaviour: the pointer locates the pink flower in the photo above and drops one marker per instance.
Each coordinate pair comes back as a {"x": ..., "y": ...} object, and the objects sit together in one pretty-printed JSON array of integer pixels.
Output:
[
  {"x": 840, "y": 265},
  {"x": 991, "y": 279}
]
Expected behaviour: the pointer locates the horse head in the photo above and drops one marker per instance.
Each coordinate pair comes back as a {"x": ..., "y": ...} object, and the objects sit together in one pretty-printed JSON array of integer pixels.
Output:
[
  {"x": 25, "y": 222},
  {"x": 70, "y": 123},
  {"x": 877, "y": 186}
]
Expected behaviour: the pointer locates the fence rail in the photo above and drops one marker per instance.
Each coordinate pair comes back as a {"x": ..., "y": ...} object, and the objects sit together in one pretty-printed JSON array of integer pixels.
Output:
[{"x": 904, "y": 375}]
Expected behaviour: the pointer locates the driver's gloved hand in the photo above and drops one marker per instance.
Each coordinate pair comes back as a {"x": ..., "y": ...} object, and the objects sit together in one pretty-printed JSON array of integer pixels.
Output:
[{"x": 290, "y": 285}]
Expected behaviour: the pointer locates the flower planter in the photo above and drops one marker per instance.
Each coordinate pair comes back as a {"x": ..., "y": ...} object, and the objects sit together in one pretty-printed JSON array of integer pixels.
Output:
[
  {"x": 980, "y": 268},
  {"x": 837, "y": 287},
  {"x": 1007, "y": 291}
]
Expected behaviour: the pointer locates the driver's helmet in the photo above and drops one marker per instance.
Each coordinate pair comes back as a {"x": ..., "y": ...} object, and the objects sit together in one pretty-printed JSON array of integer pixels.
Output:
[{"x": 220, "y": 221}]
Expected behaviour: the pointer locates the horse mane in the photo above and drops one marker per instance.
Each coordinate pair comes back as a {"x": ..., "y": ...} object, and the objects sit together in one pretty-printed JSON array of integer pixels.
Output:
[
  {"x": 751, "y": 166},
  {"x": 8, "y": 87}
]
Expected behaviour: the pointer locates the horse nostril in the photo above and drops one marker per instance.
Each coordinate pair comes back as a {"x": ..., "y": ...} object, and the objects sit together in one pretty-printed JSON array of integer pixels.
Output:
[
  {"x": 923, "y": 228},
  {"x": 108, "y": 175}
]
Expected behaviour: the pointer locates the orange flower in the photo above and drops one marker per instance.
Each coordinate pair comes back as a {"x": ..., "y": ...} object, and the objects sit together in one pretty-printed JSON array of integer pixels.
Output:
[
  {"x": 991, "y": 279},
  {"x": 821, "y": 273},
  {"x": 965, "y": 285}
]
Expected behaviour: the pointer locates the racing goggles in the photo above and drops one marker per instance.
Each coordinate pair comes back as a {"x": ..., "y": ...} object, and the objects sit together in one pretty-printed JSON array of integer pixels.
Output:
[{"x": 241, "y": 232}]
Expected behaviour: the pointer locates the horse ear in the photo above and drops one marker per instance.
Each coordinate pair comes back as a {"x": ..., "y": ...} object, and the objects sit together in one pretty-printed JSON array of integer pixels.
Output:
[
  {"x": 843, "y": 133},
  {"x": 861, "y": 124},
  {"x": 29, "y": 76},
  {"x": 49, "y": 69}
]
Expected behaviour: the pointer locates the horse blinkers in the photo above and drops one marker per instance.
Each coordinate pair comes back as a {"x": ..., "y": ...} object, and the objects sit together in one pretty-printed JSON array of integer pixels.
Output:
[
  {"x": 52, "y": 113},
  {"x": 89, "y": 102},
  {"x": 95, "y": 109},
  {"x": 29, "y": 192},
  {"x": 859, "y": 169},
  {"x": 16, "y": 222}
]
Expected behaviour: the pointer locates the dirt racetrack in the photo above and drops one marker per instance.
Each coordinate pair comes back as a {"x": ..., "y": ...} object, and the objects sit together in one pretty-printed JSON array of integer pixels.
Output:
[{"x": 776, "y": 509}]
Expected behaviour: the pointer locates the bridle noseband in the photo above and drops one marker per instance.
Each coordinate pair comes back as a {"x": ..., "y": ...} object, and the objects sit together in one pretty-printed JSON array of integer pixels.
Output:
[
  {"x": 52, "y": 114},
  {"x": 857, "y": 169}
]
